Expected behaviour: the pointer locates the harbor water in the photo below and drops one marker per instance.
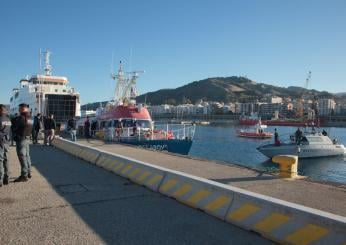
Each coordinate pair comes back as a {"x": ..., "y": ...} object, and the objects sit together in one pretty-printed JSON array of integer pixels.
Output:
[{"x": 221, "y": 143}]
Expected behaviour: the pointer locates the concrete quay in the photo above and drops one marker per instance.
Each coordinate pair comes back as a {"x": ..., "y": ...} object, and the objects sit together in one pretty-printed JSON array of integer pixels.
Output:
[
  {"x": 323, "y": 196},
  {"x": 68, "y": 201}
]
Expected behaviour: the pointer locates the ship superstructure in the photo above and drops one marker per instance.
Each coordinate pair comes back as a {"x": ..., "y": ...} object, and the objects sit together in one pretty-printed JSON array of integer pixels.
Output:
[{"x": 47, "y": 94}]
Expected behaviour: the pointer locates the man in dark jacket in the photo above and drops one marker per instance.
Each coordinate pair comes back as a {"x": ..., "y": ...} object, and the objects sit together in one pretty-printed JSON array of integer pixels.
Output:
[
  {"x": 5, "y": 130},
  {"x": 22, "y": 129},
  {"x": 36, "y": 128}
]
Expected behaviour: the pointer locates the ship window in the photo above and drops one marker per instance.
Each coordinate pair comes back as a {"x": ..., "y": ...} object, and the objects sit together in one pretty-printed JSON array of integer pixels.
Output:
[
  {"x": 64, "y": 90},
  {"x": 127, "y": 123},
  {"x": 109, "y": 124},
  {"x": 116, "y": 123},
  {"x": 315, "y": 139},
  {"x": 143, "y": 124},
  {"x": 56, "y": 90}
]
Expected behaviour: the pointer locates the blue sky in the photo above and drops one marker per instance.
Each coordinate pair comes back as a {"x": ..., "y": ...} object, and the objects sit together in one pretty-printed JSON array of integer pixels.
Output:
[{"x": 175, "y": 42}]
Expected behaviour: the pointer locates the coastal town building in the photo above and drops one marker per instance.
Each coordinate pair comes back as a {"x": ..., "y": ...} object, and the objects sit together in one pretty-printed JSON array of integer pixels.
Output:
[
  {"x": 326, "y": 107},
  {"x": 284, "y": 107}
]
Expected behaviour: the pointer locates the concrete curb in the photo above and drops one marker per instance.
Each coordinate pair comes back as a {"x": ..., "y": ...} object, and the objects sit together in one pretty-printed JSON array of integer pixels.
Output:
[{"x": 277, "y": 220}]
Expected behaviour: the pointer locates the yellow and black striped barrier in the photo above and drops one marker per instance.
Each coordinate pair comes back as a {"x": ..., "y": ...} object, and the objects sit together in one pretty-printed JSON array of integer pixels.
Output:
[
  {"x": 277, "y": 220},
  {"x": 138, "y": 172}
]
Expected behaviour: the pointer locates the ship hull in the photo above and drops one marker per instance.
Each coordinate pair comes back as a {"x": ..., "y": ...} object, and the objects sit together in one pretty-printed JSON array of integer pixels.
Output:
[
  {"x": 174, "y": 146},
  {"x": 302, "y": 151},
  {"x": 255, "y": 135},
  {"x": 251, "y": 122},
  {"x": 248, "y": 122},
  {"x": 290, "y": 123}
]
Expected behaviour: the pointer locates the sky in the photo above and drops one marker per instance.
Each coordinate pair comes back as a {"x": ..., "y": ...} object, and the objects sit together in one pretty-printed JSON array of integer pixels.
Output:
[{"x": 176, "y": 42}]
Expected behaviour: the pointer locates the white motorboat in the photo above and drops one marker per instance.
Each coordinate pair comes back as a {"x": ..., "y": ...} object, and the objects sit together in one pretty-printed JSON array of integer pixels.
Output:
[{"x": 310, "y": 145}]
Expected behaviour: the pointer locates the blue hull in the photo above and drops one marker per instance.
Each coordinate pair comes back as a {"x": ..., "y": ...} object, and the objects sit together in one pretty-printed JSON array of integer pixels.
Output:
[{"x": 175, "y": 146}]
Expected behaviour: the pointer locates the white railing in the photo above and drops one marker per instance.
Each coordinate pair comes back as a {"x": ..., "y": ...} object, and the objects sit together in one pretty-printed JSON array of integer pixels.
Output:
[{"x": 161, "y": 132}]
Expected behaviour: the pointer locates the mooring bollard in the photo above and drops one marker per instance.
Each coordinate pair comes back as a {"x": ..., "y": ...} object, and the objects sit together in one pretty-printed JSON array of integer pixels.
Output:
[{"x": 288, "y": 165}]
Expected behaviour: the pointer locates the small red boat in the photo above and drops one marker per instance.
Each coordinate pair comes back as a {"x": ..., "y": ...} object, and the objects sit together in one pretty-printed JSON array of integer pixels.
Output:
[{"x": 257, "y": 132}]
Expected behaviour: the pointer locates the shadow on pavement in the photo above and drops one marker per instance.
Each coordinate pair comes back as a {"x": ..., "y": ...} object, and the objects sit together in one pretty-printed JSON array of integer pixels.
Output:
[{"x": 120, "y": 212}]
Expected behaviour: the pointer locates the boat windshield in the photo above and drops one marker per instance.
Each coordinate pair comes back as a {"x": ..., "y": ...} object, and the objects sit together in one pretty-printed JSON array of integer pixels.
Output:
[
  {"x": 144, "y": 123},
  {"x": 128, "y": 123}
]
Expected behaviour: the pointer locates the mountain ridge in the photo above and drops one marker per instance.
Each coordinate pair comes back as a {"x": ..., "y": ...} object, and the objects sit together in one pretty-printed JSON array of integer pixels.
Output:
[
  {"x": 222, "y": 89},
  {"x": 226, "y": 89}
]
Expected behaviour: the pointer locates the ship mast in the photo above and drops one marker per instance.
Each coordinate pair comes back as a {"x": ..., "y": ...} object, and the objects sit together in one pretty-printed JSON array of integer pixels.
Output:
[
  {"x": 125, "y": 89},
  {"x": 47, "y": 67},
  {"x": 47, "y": 72}
]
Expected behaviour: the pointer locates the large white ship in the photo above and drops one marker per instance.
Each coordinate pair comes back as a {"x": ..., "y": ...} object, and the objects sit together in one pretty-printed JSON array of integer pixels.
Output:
[{"x": 47, "y": 94}]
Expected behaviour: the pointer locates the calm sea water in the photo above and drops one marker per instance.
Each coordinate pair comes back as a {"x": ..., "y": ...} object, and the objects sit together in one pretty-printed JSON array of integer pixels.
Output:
[{"x": 221, "y": 143}]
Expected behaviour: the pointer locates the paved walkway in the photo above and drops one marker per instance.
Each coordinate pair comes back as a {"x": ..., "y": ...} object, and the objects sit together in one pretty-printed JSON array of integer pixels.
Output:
[
  {"x": 69, "y": 201},
  {"x": 322, "y": 196}
]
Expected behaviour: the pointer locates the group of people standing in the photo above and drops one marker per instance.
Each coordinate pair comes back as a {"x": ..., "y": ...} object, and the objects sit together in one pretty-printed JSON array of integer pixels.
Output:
[
  {"x": 89, "y": 129},
  {"x": 47, "y": 125},
  {"x": 19, "y": 129}
]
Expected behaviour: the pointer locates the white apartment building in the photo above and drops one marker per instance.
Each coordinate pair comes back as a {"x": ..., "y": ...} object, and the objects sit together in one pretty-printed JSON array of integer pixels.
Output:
[{"x": 326, "y": 107}]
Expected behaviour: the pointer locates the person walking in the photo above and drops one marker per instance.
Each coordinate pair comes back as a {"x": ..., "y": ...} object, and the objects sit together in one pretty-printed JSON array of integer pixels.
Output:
[
  {"x": 36, "y": 128},
  {"x": 71, "y": 127},
  {"x": 5, "y": 131},
  {"x": 93, "y": 128},
  {"x": 22, "y": 129},
  {"x": 87, "y": 128},
  {"x": 51, "y": 125}
]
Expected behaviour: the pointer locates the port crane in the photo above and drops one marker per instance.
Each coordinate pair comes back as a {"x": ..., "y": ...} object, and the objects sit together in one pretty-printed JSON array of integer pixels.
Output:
[{"x": 300, "y": 102}]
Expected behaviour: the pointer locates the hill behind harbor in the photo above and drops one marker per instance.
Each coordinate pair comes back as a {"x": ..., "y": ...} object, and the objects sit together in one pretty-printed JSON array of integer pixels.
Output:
[{"x": 225, "y": 89}]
